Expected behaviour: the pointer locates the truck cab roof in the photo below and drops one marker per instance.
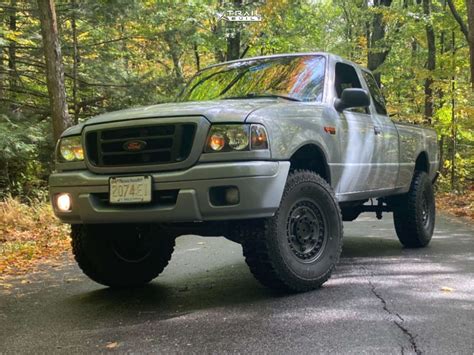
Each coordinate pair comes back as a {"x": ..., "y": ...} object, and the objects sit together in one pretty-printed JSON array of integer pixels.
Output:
[{"x": 328, "y": 55}]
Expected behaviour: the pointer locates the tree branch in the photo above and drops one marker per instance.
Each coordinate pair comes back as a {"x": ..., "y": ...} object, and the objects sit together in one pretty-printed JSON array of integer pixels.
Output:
[
  {"x": 458, "y": 19},
  {"x": 245, "y": 51},
  {"x": 84, "y": 103},
  {"x": 19, "y": 90},
  {"x": 33, "y": 108},
  {"x": 109, "y": 41}
]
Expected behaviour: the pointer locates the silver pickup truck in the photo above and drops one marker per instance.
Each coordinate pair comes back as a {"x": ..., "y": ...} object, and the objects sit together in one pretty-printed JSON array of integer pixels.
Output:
[{"x": 271, "y": 152}]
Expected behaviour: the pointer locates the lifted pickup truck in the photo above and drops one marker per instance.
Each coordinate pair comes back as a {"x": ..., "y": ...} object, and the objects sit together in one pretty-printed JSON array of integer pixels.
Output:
[{"x": 271, "y": 152}]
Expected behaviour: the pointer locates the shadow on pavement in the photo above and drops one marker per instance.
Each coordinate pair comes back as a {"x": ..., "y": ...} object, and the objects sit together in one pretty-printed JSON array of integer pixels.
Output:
[
  {"x": 370, "y": 247},
  {"x": 164, "y": 299},
  {"x": 229, "y": 283}
]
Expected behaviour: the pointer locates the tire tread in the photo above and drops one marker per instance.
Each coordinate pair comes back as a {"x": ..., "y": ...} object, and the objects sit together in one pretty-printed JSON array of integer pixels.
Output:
[
  {"x": 406, "y": 219},
  {"x": 256, "y": 242},
  {"x": 109, "y": 277}
]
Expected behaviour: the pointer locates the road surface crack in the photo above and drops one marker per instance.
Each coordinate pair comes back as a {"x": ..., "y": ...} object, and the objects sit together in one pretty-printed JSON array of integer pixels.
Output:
[
  {"x": 411, "y": 337},
  {"x": 399, "y": 323},
  {"x": 384, "y": 303}
]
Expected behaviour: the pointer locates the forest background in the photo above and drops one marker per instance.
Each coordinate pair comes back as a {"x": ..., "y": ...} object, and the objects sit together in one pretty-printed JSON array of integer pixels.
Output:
[{"x": 63, "y": 62}]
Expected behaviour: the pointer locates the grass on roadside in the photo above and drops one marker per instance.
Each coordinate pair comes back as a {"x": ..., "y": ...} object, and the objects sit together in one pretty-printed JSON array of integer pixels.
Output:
[{"x": 29, "y": 233}]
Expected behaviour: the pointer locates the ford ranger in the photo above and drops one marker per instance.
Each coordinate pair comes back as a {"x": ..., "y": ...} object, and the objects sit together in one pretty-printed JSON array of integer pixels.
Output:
[{"x": 271, "y": 152}]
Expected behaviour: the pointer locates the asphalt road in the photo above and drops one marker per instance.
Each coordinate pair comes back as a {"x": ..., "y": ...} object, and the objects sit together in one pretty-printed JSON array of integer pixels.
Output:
[{"x": 381, "y": 299}]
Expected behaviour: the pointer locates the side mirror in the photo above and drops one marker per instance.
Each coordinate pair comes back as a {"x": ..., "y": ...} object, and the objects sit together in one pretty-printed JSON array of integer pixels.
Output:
[{"x": 352, "y": 98}]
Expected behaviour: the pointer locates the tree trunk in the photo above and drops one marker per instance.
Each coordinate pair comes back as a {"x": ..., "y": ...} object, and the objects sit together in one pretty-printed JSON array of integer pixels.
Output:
[
  {"x": 12, "y": 73},
  {"x": 233, "y": 42},
  {"x": 453, "y": 117},
  {"x": 2, "y": 75},
  {"x": 440, "y": 95},
  {"x": 467, "y": 30},
  {"x": 233, "y": 46},
  {"x": 431, "y": 63},
  {"x": 219, "y": 55},
  {"x": 75, "y": 54},
  {"x": 441, "y": 154},
  {"x": 196, "y": 56},
  {"x": 376, "y": 54},
  {"x": 348, "y": 28},
  {"x": 123, "y": 35},
  {"x": 54, "y": 67},
  {"x": 175, "y": 53},
  {"x": 470, "y": 21},
  {"x": 453, "y": 137}
]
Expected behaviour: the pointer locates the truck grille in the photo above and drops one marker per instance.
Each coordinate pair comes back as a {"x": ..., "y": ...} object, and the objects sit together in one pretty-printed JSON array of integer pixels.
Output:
[{"x": 144, "y": 145}]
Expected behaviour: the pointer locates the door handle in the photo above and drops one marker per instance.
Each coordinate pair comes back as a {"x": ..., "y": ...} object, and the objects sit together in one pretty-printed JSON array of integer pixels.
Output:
[{"x": 377, "y": 130}]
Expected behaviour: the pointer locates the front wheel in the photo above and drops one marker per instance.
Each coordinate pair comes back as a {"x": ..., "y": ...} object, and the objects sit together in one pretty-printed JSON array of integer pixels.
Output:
[
  {"x": 414, "y": 213},
  {"x": 298, "y": 248},
  {"x": 122, "y": 255}
]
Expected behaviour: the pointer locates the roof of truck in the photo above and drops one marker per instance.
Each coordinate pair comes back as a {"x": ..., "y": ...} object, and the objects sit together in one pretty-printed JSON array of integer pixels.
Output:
[{"x": 325, "y": 54}]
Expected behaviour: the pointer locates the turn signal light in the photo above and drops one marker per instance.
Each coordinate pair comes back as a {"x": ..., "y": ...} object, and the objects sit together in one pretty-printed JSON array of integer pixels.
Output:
[{"x": 259, "y": 139}]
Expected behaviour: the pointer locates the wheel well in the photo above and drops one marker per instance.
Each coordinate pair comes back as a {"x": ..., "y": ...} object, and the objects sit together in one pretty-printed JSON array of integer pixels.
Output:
[
  {"x": 422, "y": 163},
  {"x": 311, "y": 157}
]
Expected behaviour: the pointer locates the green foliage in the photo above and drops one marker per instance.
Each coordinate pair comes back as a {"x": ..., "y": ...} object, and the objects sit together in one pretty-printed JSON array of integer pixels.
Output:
[
  {"x": 134, "y": 52},
  {"x": 22, "y": 149}
]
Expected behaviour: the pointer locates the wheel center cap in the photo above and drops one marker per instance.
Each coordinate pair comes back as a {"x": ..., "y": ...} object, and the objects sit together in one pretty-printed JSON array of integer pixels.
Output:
[{"x": 306, "y": 230}]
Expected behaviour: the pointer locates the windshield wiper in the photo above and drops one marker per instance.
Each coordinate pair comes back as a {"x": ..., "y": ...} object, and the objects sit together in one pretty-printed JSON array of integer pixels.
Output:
[{"x": 252, "y": 95}]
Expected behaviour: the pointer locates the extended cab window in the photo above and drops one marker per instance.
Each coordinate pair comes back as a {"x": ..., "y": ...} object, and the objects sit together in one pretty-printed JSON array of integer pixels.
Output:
[
  {"x": 376, "y": 94},
  {"x": 347, "y": 78}
]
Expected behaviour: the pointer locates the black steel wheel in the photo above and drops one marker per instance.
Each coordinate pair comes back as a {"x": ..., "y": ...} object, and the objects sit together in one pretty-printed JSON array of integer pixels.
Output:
[
  {"x": 306, "y": 230},
  {"x": 426, "y": 213},
  {"x": 135, "y": 246}
]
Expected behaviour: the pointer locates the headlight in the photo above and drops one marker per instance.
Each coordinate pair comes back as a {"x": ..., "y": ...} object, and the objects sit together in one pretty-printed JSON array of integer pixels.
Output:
[
  {"x": 70, "y": 149},
  {"x": 236, "y": 137}
]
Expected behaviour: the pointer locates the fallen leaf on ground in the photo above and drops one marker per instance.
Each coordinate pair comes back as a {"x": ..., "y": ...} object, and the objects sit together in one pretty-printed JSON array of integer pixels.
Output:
[
  {"x": 447, "y": 289},
  {"x": 459, "y": 204},
  {"x": 112, "y": 345}
]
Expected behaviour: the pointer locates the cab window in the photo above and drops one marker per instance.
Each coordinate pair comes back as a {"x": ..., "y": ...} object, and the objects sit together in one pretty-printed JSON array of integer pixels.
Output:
[
  {"x": 377, "y": 97},
  {"x": 346, "y": 77}
]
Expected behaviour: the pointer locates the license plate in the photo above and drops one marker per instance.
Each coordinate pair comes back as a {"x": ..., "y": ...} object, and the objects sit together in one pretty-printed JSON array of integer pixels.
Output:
[{"x": 130, "y": 189}]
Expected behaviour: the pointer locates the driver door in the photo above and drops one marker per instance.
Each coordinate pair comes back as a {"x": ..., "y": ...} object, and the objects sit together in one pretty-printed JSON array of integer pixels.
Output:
[{"x": 356, "y": 169}]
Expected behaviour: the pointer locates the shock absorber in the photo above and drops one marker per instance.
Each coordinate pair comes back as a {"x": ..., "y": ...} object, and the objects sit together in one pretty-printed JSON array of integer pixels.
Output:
[{"x": 378, "y": 212}]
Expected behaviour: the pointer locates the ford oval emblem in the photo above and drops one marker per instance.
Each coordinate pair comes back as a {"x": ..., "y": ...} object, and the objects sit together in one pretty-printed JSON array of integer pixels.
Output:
[{"x": 134, "y": 145}]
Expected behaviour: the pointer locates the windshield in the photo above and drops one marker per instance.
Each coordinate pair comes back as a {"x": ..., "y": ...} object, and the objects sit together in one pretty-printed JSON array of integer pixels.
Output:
[{"x": 299, "y": 78}]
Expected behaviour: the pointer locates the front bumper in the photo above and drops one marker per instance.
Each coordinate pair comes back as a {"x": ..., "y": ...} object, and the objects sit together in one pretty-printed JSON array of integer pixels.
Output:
[{"x": 260, "y": 184}]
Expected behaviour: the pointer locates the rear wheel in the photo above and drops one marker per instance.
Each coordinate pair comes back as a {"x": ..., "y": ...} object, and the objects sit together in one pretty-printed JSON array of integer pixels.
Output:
[
  {"x": 415, "y": 212},
  {"x": 121, "y": 255},
  {"x": 298, "y": 248}
]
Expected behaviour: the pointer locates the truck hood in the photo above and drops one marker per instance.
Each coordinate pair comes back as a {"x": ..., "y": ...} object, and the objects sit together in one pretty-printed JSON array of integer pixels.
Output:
[{"x": 215, "y": 111}]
